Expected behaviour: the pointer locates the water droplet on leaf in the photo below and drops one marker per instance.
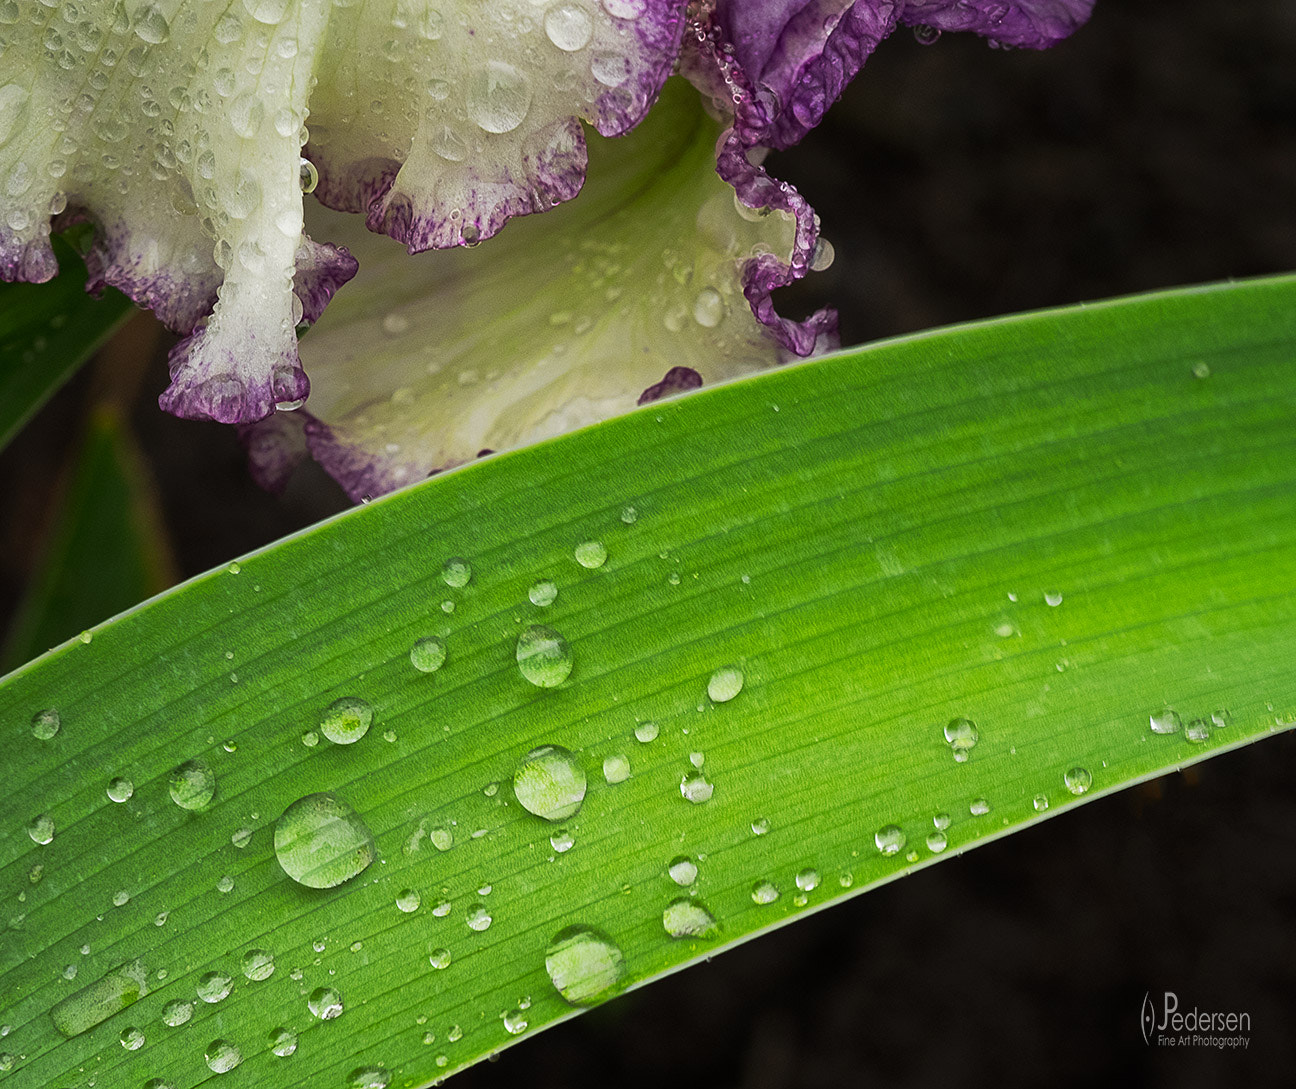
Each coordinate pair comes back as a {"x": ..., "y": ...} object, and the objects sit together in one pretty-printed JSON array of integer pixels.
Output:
[
  {"x": 543, "y": 656},
  {"x": 346, "y": 720},
  {"x": 321, "y": 841},
  {"x": 725, "y": 683},
  {"x": 584, "y": 964},
  {"x": 192, "y": 784}
]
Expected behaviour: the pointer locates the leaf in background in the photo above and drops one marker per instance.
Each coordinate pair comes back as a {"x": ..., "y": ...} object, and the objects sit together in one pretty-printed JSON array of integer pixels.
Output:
[
  {"x": 374, "y": 802},
  {"x": 47, "y": 331},
  {"x": 107, "y": 551}
]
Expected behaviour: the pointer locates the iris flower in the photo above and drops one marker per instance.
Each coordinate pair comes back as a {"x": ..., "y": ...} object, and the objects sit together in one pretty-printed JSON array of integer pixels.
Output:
[{"x": 187, "y": 132}]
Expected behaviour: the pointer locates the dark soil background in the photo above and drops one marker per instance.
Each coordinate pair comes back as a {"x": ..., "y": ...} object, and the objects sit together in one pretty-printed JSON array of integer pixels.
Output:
[{"x": 1156, "y": 148}]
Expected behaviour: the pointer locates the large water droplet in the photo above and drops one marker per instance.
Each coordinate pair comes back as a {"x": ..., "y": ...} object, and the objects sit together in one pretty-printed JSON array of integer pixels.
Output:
[
  {"x": 696, "y": 788},
  {"x": 428, "y": 654},
  {"x": 41, "y": 829},
  {"x": 45, "y": 724},
  {"x": 258, "y": 964},
  {"x": 682, "y": 870},
  {"x": 764, "y": 892},
  {"x": 1078, "y": 780},
  {"x": 150, "y": 25},
  {"x": 686, "y": 918},
  {"x": 807, "y": 880},
  {"x": 346, "y": 720},
  {"x": 725, "y": 683},
  {"x": 325, "y": 1003},
  {"x": 584, "y": 964},
  {"x": 543, "y": 656},
  {"x": 456, "y": 572},
  {"x": 321, "y": 842},
  {"x": 591, "y": 554},
  {"x": 498, "y": 97},
  {"x": 889, "y": 839},
  {"x": 192, "y": 784},
  {"x": 214, "y": 987},
  {"x": 176, "y": 1012},
  {"x": 569, "y": 27},
  {"x": 369, "y": 1077},
  {"x": 222, "y": 1056},
  {"x": 962, "y": 735},
  {"x": 118, "y": 989},
  {"x": 550, "y": 783},
  {"x": 543, "y": 593},
  {"x": 1165, "y": 721}
]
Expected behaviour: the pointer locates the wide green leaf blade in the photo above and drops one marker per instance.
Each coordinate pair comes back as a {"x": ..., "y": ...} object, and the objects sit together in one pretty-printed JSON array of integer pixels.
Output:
[
  {"x": 46, "y": 332},
  {"x": 1061, "y": 528},
  {"x": 106, "y": 552}
]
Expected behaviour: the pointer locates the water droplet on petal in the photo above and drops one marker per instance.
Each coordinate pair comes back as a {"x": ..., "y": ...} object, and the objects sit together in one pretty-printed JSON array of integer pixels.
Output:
[
  {"x": 307, "y": 176},
  {"x": 550, "y": 783},
  {"x": 428, "y": 654},
  {"x": 569, "y": 27},
  {"x": 1078, "y": 780},
  {"x": 222, "y": 1056},
  {"x": 584, "y": 964},
  {"x": 321, "y": 842},
  {"x": 725, "y": 683},
  {"x": 498, "y": 97},
  {"x": 544, "y": 657},
  {"x": 708, "y": 308},
  {"x": 325, "y": 1003},
  {"x": 192, "y": 784},
  {"x": 346, "y": 720}
]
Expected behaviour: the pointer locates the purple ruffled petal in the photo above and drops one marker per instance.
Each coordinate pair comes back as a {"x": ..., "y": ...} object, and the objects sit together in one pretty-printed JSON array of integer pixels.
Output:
[
  {"x": 275, "y": 447},
  {"x": 676, "y": 380}
]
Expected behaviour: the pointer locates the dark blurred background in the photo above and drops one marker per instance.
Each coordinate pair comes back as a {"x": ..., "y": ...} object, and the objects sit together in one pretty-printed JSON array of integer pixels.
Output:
[{"x": 1156, "y": 148}]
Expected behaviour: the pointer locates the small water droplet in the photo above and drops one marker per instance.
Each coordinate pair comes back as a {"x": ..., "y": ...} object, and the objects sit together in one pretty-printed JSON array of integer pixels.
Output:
[
  {"x": 708, "y": 308},
  {"x": 807, "y": 880},
  {"x": 222, "y": 1056},
  {"x": 176, "y": 1012},
  {"x": 764, "y": 892},
  {"x": 325, "y": 1003},
  {"x": 515, "y": 1022},
  {"x": 584, "y": 964},
  {"x": 41, "y": 829},
  {"x": 1197, "y": 731},
  {"x": 283, "y": 1041},
  {"x": 369, "y": 1077},
  {"x": 544, "y": 657},
  {"x": 961, "y": 735},
  {"x": 442, "y": 837},
  {"x": 241, "y": 837},
  {"x": 978, "y": 807},
  {"x": 616, "y": 768},
  {"x": 725, "y": 683},
  {"x": 320, "y": 842},
  {"x": 225, "y": 884},
  {"x": 346, "y": 720},
  {"x": 258, "y": 964},
  {"x": 214, "y": 987},
  {"x": 682, "y": 871},
  {"x": 760, "y": 826},
  {"x": 192, "y": 784},
  {"x": 1165, "y": 721},
  {"x": 161, "y": 918},
  {"x": 562, "y": 841},
  {"x": 591, "y": 554},
  {"x": 307, "y": 176},
  {"x": 1078, "y": 780},
  {"x": 234, "y": 568},
  {"x": 1040, "y": 802},
  {"x": 440, "y": 958},
  {"x": 408, "y": 900},
  {"x": 543, "y": 593},
  {"x": 479, "y": 918},
  {"x": 442, "y": 909},
  {"x": 69, "y": 972},
  {"x": 120, "y": 790},
  {"x": 941, "y": 821},
  {"x": 45, "y": 724},
  {"x": 310, "y": 739},
  {"x": 646, "y": 732},
  {"x": 629, "y": 515},
  {"x": 889, "y": 839},
  {"x": 1052, "y": 599},
  {"x": 550, "y": 783},
  {"x": 428, "y": 654},
  {"x": 121, "y": 898},
  {"x": 1221, "y": 719},
  {"x": 937, "y": 842},
  {"x": 696, "y": 788},
  {"x": 685, "y": 918},
  {"x": 456, "y": 572}
]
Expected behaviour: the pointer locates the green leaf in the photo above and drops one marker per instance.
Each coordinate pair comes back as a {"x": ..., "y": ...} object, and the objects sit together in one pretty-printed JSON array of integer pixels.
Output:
[
  {"x": 46, "y": 332},
  {"x": 106, "y": 552},
  {"x": 1059, "y": 527}
]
